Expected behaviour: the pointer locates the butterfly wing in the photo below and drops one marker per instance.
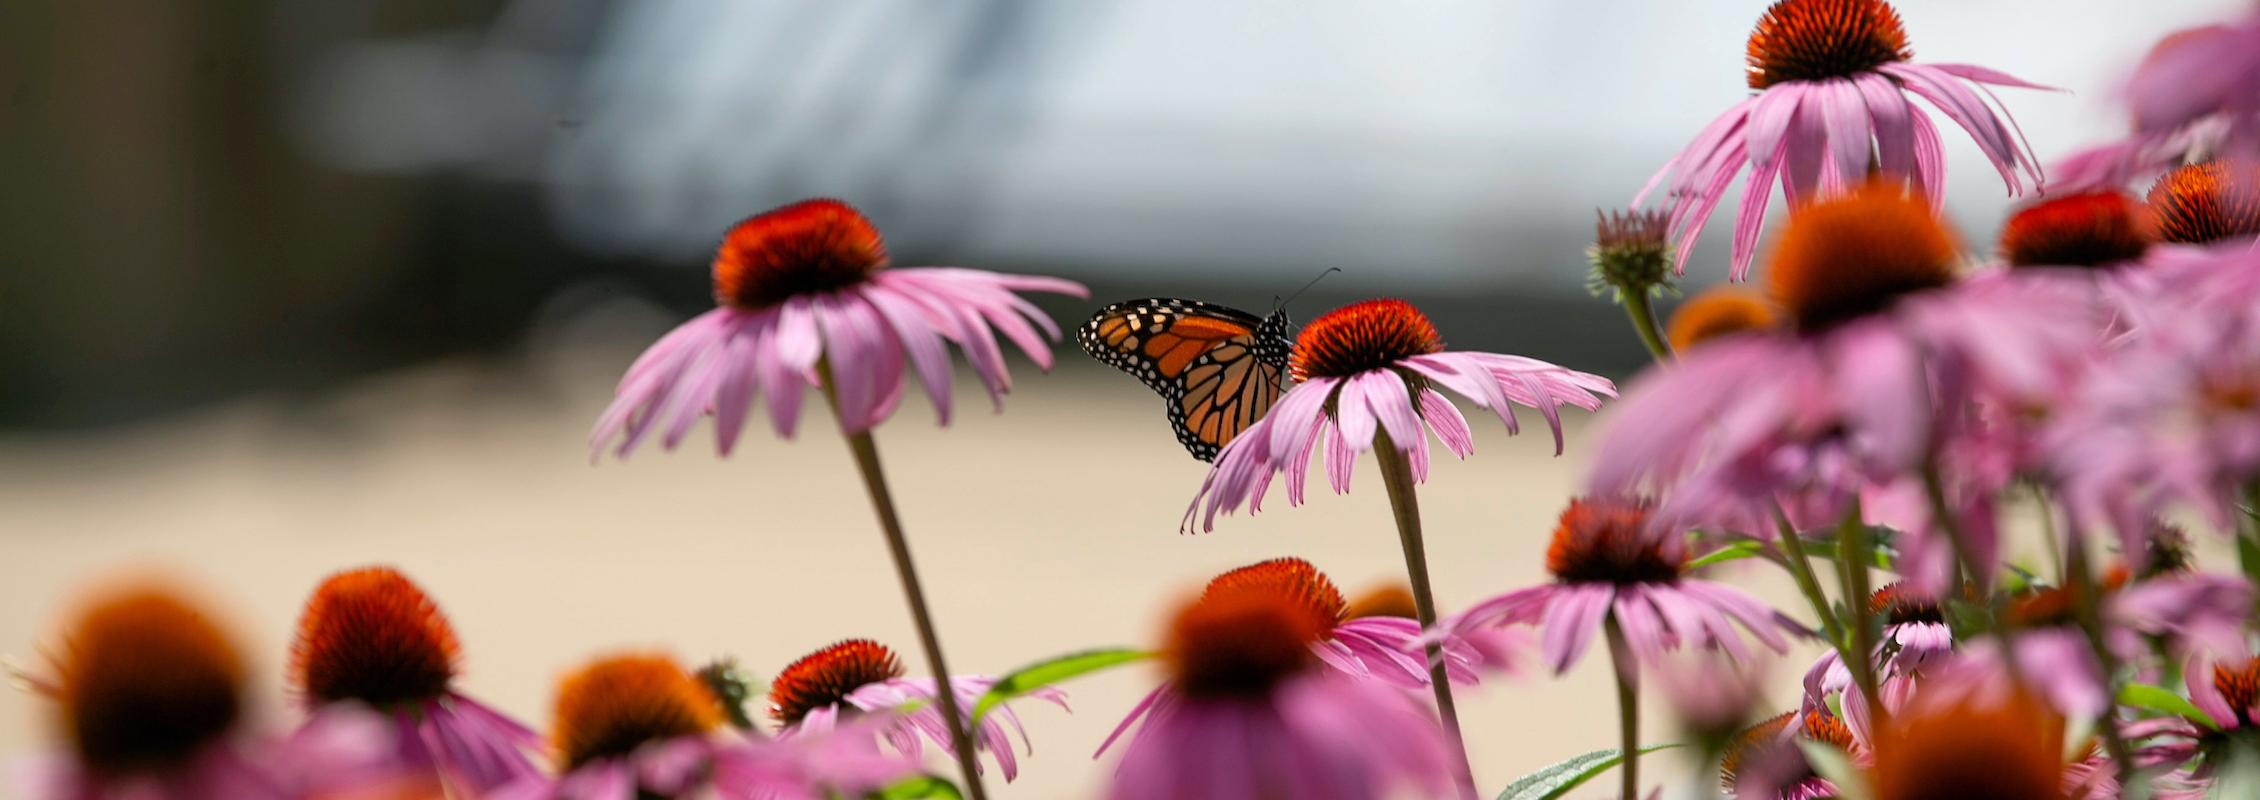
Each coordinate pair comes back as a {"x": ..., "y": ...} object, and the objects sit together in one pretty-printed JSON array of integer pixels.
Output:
[{"x": 1217, "y": 368}]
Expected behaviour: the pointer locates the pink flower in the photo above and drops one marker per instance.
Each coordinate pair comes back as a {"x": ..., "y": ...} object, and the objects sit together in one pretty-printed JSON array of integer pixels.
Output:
[
  {"x": 1609, "y": 560},
  {"x": 151, "y": 699},
  {"x": 1884, "y": 358},
  {"x": 1369, "y": 370},
  {"x": 806, "y": 287},
  {"x": 1763, "y": 762},
  {"x": 1834, "y": 82},
  {"x": 1246, "y": 712},
  {"x": 1383, "y": 647},
  {"x": 2198, "y": 90},
  {"x": 639, "y": 723},
  {"x": 1915, "y": 636},
  {"x": 858, "y": 677},
  {"x": 2172, "y": 416},
  {"x": 371, "y": 639}
]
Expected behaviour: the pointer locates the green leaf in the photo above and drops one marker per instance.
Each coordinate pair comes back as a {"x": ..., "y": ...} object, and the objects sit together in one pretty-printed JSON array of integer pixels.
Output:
[
  {"x": 1050, "y": 671},
  {"x": 923, "y": 787},
  {"x": 1558, "y": 779},
  {"x": 2161, "y": 700},
  {"x": 1819, "y": 544},
  {"x": 1833, "y": 764},
  {"x": 1732, "y": 551}
]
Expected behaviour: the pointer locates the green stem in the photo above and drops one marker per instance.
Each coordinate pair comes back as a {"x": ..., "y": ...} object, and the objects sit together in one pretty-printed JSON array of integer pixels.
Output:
[
  {"x": 2087, "y": 605},
  {"x": 1628, "y": 705},
  {"x": 1942, "y": 515},
  {"x": 882, "y": 502},
  {"x": 2048, "y": 531},
  {"x": 1396, "y": 474},
  {"x": 1852, "y": 564},
  {"x": 1643, "y": 314},
  {"x": 1801, "y": 570},
  {"x": 2248, "y": 535}
]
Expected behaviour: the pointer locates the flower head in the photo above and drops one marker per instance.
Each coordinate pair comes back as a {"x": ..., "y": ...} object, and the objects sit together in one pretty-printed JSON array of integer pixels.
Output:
[
  {"x": 1848, "y": 258},
  {"x": 1363, "y": 646},
  {"x": 808, "y": 247},
  {"x": 1763, "y": 761},
  {"x": 1370, "y": 372},
  {"x": 1610, "y": 560},
  {"x": 1362, "y": 337},
  {"x": 146, "y": 682},
  {"x": 617, "y": 705},
  {"x": 371, "y": 637},
  {"x": 855, "y": 678},
  {"x": 807, "y": 284},
  {"x": 2095, "y": 228},
  {"x": 1630, "y": 254},
  {"x": 1815, "y": 40},
  {"x": 1241, "y": 670},
  {"x": 1970, "y": 748},
  {"x": 1835, "y": 109},
  {"x": 2208, "y": 202},
  {"x": 1717, "y": 312}
]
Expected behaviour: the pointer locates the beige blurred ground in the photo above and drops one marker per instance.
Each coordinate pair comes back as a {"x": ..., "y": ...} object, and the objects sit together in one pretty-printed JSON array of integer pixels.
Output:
[{"x": 1049, "y": 528}]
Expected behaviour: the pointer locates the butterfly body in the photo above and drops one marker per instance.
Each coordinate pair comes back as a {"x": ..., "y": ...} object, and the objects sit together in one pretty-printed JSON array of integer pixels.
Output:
[{"x": 1218, "y": 369}]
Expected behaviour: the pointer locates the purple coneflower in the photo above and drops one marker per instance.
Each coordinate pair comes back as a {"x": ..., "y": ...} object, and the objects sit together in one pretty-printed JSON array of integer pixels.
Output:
[
  {"x": 1370, "y": 370},
  {"x": 2197, "y": 92},
  {"x": 855, "y": 677},
  {"x": 638, "y": 725},
  {"x": 370, "y": 639},
  {"x": 1973, "y": 746},
  {"x": 809, "y": 284},
  {"x": 1614, "y": 571},
  {"x": 1764, "y": 762},
  {"x": 1611, "y": 563},
  {"x": 1381, "y": 644},
  {"x": 149, "y": 695},
  {"x": 807, "y": 301},
  {"x": 1915, "y": 635},
  {"x": 1248, "y": 712},
  {"x": 1833, "y": 105}
]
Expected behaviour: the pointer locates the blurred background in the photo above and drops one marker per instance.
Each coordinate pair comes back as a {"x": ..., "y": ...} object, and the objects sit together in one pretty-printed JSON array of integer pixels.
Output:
[{"x": 288, "y": 287}]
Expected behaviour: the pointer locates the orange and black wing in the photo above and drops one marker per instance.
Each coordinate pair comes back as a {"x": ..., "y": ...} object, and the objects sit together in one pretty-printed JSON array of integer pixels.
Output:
[{"x": 1217, "y": 368}]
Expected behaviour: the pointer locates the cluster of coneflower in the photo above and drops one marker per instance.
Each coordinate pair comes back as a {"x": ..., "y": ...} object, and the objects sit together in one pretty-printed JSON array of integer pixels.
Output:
[{"x": 1868, "y": 421}]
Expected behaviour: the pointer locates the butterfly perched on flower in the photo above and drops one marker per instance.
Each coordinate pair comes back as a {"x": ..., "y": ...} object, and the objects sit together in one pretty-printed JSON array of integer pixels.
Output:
[{"x": 1218, "y": 369}]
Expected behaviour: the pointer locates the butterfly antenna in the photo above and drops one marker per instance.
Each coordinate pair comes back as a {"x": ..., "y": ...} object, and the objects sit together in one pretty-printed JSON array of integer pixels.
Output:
[{"x": 1277, "y": 303}]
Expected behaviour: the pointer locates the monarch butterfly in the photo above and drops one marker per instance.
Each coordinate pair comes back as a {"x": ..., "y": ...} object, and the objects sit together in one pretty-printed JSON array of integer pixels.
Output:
[{"x": 1217, "y": 368}]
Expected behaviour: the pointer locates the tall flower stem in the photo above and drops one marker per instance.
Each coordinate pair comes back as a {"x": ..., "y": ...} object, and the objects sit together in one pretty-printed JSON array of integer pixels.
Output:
[
  {"x": 1628, "y": 705},
  {"x": 2087, "y": 604},
  {"x": 1642, "y": 310},
  {"x": 866, "y": 454},
  {"x": 1801, "y": 570},
  {"x": 2248, "y": 535},
  {"x": 1942, "y": 515},
  {"x": 1852, "y": 564},
  {"x": 1396, "y": 473}
]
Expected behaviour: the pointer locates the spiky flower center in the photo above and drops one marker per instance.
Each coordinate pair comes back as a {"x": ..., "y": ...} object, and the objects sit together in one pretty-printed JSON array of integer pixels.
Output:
[
  {"x": 1368, "y": 335},
  {"x": 1717, "y": 312},
  {"x": 2208, "y": 202},
  {"x": 1390, "y": 600},
  {"x": 620, "y": 703},
  {"x": 804, "y": 248},
  {"x": 2240, "y": 689},
  {"x": 1629, "y": 253},
  {"x": 1239, "y": 644},
  {"x": 825, "y": 677},
  {"x": 2047, "y": 606},
  {"x": 1850, "y": 256},
  {"x": 1291, "y": 579},
  {"x": 2101, "y": 228},
  {"x": 1607, "y": 540},
  {"x": 2011, "y": 748},
  {"x": 1899, "y": 604},
  {"x": 1765, "y": 742},
  {"x": 145, "y": 682},
  {"x": 1812, "y": 40},
  {"x": 371, "y": 635}
]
